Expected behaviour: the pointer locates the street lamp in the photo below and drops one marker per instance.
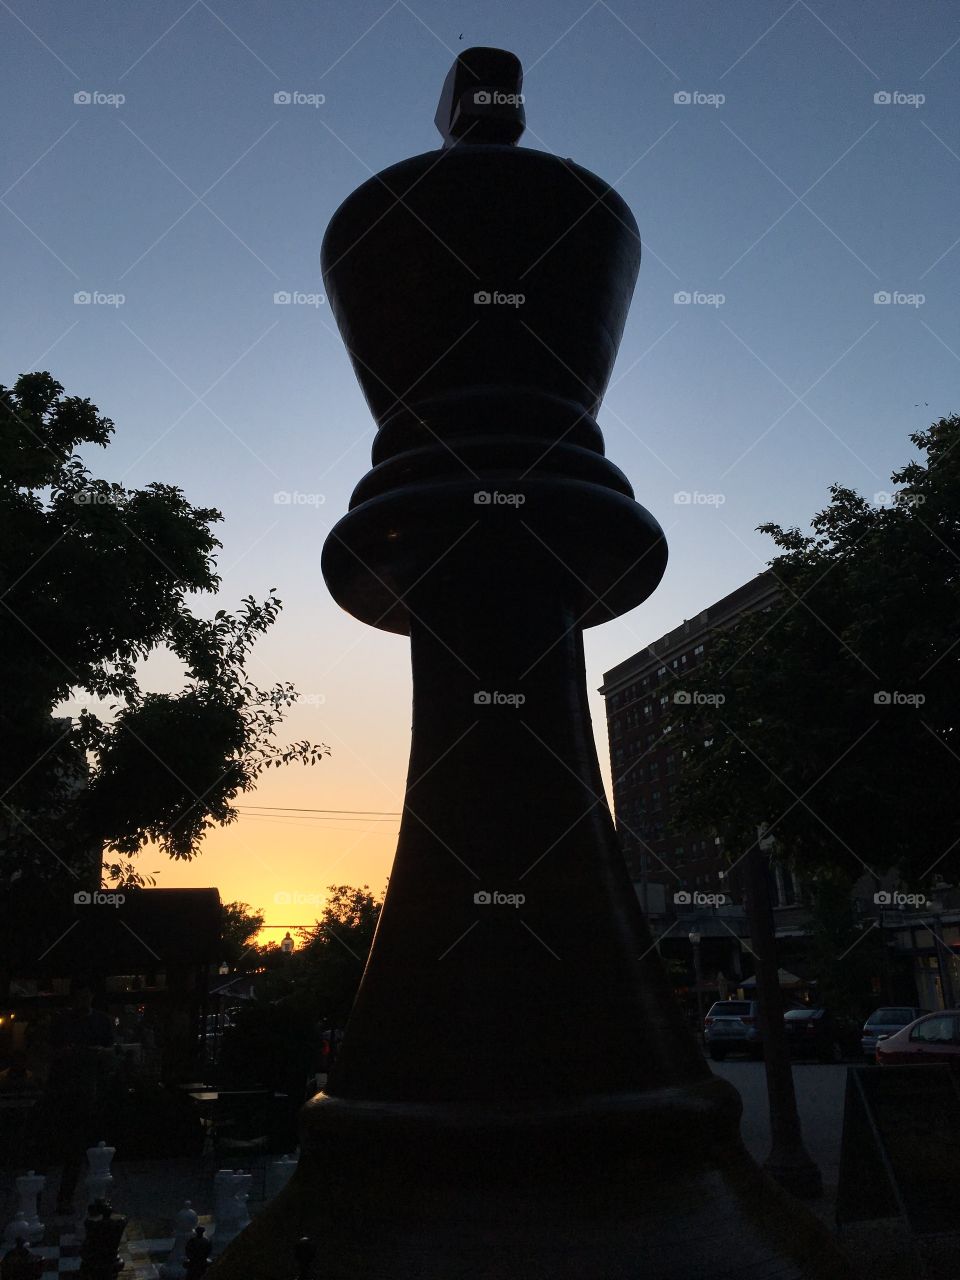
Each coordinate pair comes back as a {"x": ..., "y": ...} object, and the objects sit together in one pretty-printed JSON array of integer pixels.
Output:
[{"x": 694, "y": 937}]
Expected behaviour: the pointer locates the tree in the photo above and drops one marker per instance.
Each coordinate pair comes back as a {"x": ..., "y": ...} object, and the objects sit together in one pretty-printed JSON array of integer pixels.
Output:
[
  {"x": 335, "y": 950},
  {"x": 95, "y": 577},
  {"x": 832, "y": 717},
  {"x": 239, "y": 926},
  {"x": 826, "y": 725},
  {"x": 276, "y": 1038}
]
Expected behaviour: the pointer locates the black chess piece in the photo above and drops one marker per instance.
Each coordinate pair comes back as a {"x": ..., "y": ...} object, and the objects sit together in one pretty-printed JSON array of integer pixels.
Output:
[
  {"x": 21, "y": 1264},
  {"x": 305, "y": 1252},
  {"x": 197, "y": 1254},
  {"x": 103, "y": 1230}
]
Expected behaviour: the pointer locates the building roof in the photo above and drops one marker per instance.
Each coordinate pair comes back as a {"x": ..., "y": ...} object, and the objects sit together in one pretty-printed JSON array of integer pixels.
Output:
[
  {"x": 51, "y": 931},
  {"x": 745, "y": 599}
]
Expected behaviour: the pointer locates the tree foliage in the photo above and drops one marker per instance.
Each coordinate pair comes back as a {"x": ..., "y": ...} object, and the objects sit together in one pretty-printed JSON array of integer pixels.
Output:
[
  {"x": 94, "y": 578},
  {"x": 833, "y": 716},
  {"x": 239, "y": 926}
]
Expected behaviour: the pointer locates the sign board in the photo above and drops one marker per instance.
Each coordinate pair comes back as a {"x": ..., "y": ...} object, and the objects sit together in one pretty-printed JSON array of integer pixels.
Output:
[{"x": 901, "y": 1133}]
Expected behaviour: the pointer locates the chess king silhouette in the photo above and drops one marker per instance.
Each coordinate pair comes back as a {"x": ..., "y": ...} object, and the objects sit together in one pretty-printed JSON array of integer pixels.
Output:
[{"x": 517, "y": 1094}]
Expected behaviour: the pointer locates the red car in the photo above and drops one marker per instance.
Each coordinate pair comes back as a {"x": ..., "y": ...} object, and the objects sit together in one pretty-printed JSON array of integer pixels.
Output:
[{"x": 933, "y": 1038}]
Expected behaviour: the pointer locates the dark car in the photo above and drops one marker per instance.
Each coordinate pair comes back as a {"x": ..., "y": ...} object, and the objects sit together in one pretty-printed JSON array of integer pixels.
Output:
[
  {"x": 817, "y": 1033},
  {"x": 731, "y": 1026},
  {"x": 933, "y": 1038},
  {"x": 886, "y": 1021}
]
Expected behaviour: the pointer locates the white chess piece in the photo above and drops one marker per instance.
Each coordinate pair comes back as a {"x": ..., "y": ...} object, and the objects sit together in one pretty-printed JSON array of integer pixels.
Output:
[
  {"x": 279, "y": 1174},
  {"x": 227, "y": 1208},
  {"x": 29, "y": 1187},
  {"x": 184, "y": 1224},
  {"x": 99, "y": 1179},
  {"x": 18, "y": 1229}
]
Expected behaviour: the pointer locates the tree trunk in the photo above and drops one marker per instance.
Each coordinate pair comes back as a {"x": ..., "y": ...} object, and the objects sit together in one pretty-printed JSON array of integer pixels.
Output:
[{"x": 788, "y": 1162}]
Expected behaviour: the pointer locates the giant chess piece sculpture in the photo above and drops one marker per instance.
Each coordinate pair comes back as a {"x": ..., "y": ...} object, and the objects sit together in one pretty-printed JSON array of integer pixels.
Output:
[
  {"x": 516, "y": 1094},
  {"x": 100, "y": 1252}
]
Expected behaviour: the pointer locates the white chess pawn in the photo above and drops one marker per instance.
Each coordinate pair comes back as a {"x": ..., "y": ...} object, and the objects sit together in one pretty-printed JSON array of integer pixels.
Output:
[
  {"x": 99, "y": 1179},
  {"x": 184, "y": 1224},
  {"x": 18, "y": 1229}
]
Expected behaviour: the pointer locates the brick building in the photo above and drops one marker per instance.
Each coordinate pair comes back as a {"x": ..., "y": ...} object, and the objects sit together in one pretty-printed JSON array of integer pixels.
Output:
[{"x": 641, "y": 695}]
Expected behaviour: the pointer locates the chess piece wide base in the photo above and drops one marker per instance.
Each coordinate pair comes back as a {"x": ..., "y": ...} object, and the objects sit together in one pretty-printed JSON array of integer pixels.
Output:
[{"x": 653, "y": 1185}]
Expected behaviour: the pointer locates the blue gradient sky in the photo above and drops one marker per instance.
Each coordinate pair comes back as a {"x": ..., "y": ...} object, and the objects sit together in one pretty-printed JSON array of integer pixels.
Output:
[{"x": 198, "y": 198}]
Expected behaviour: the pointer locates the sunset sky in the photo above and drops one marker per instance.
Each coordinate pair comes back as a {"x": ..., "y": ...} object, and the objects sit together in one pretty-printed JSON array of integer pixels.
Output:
[{"x": 769, "y": 185}]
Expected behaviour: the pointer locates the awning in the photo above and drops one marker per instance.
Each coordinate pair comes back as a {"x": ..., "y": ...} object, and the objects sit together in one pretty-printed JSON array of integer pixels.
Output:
[{"x": 785, "y": 978}]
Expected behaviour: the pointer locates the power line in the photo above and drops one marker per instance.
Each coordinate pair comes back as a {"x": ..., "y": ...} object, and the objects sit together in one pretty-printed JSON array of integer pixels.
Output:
[{"x": 274, "y": 808}]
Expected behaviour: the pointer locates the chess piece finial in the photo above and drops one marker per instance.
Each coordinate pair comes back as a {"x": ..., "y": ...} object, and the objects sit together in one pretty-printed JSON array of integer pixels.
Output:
[
  {"x": 481, "y": 99},
  {"x": 197, "y": 1254}
]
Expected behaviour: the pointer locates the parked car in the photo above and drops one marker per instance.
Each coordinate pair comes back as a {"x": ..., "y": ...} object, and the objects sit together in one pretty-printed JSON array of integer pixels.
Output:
[
  {"x": 886, "y": 1021},
  {"x": 818, "y": 1033},
  {"x": 731, "y": 1026},
  {"x": 933, "y": 1038}
]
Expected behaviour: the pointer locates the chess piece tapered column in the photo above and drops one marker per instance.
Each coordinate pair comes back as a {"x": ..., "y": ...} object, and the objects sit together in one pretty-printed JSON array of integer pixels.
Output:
[{"x": 517, "y": 1093}]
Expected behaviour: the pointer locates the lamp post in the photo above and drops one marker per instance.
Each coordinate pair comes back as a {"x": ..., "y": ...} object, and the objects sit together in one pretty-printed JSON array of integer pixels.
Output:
[
  {"x": 694, "y": 937},
  {"x": 517, "y": 1092}
]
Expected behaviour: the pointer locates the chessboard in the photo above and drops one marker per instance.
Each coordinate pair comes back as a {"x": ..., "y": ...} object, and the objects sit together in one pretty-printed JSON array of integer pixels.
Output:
[{"x": 142, "y": 1257}]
